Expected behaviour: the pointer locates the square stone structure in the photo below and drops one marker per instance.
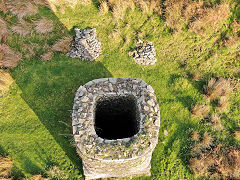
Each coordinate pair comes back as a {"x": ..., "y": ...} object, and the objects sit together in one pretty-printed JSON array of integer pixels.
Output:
[{"x": 115, "y": 126}]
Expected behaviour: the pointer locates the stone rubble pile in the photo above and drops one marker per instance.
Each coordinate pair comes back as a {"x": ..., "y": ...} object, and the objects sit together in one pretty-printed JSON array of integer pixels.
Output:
[
  {"x": 144, "y": 53},
  {"x": 86, "y": 46}
]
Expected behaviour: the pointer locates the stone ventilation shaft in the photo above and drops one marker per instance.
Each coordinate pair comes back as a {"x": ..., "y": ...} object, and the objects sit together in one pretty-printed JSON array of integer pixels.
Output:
[
  {"x": 86, "y": 45},
  {"x": 115, "y": 127}
]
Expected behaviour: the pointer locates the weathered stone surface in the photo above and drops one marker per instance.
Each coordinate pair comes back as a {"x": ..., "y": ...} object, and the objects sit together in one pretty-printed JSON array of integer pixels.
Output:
[
  {"x": 86, "y": 46},
  {"x": 130, "y": 156},
  {"x": 144, "y": 53}
]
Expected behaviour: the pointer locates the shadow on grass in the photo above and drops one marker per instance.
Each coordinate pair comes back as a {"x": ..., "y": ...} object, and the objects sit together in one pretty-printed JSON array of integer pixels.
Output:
[{"x": 49, "y": 89}]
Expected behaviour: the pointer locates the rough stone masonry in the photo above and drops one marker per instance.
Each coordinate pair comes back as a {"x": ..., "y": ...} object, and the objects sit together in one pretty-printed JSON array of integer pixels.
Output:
[
  {"x": 86, "y": 46},
  {"x": 116, "y": 153},
  {"x": 144, "y": 53}
]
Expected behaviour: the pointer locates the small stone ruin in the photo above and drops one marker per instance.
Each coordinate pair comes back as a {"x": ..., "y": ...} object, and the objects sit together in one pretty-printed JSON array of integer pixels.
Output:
[
  {"x": 86, "y": 45},
  {"x": 144, "y": 53},
  {"x": 115, "y": 126}
]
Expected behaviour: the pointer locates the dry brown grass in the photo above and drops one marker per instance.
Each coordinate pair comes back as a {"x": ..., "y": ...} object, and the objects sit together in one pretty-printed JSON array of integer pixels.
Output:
[
  {"x": 197, "y": 15},
  {"x": 47, "y": 56},
  {"x": 29, "y": 50},
  {"x": 173, "y": 15},
  {"x": 63, "y": 45},
  {"x": 61, "y": 4},
  {"x": 223, "y": 104},
  {"x": 207, "y": 140},
  {"x": 234, "y": 38},
  {"x": 210, "y": 18},
  {"x": 85, "y": 2},
  {"x": 3, "y": 27},
  {"x": 3, "y": 6},
  {"x": 193, "y": 10},
  {"x": 195, "y": 136},
  {"x": 23, "y": 28},
  {"x": 21, "y": 8},
  {"x": 8, "y": 57},
  {"x": 216, "y": 88},
  {"x": 198, "y": 166},
  {"x": 104, "y": 7},
  {"x": 219, "y": 163},
  {"x": 201, "y": 111},
  {"x": 119, "y": 9},
  {"x": 216, "y": 121},
  {"x": 44, "y": 25},
  {"x": 200, "y": 146},
  {"x": 5, "y": 167},
  {"x": 148, "y": 6},
  {"x": 5, "y": 81},
  {"x": 196, "y": 76},
  {"x": 42, "y": 2}
]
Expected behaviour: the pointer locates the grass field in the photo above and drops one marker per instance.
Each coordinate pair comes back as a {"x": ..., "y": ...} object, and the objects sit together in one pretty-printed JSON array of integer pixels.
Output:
[{"x": 35, "y": 114}]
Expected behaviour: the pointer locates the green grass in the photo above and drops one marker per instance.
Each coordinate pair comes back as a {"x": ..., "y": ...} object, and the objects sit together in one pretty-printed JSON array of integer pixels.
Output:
[{"x": 35, "y": 115}]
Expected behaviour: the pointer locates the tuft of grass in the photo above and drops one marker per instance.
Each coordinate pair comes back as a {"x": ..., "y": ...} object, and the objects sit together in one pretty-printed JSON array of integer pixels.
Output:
[
  {"x": 23, "y": 28},
  {"x": 201, "y": 111},
  {"x": 104, "y": 8},
  {"x": 5, "y": 167},
  {"x": 216, "y": 121},
  {"x": 218, "y": 163},
  {"x": 196, "y": 76},
  {"x": 210, "y": 18},
  {"x": 216, "y": 88},
  {"x": 5, "y": 81},
  {"x": 63, "y": 45},
  {"x": 83, "y": 2},
  {"x": 29, "y": 50},
  {"x": 42, "y": 2},
  {"x": 193, "y": 10},
  {"x": 55, "y": 173},
  {"x": 207, "y": 140},
  {"x": 21, "y": 8},
  {"x": 8, "y": 57},
  {"x": 148, "y": 6},
  {"x": 174, "y": 18},
  {"x": 61, "y": 4},
  {"x": 119, "y": 9},
  {"x": 3, "y": 27},
  {"x": 3, "y": 6},
  {"x": 195, "y": 136},
  {"x": 44, "y": 26},
  {"x": 47, "y": 56},
  {"x": 197, "y": 166},
  {"x": 223, "y": 104}
]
